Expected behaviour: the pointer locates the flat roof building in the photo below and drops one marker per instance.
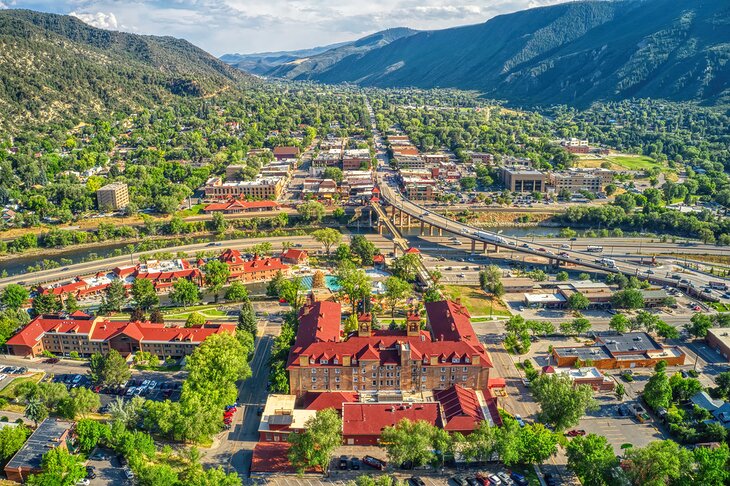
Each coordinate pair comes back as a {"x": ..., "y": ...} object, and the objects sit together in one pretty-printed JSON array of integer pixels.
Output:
[
  {"x": 50, "y": 434},
  {"x": 718, "y": 338},
  {"x": 523, "y": 180},
  {"x": 544, "y": 300},
  {"x": 113, "y": 196}
]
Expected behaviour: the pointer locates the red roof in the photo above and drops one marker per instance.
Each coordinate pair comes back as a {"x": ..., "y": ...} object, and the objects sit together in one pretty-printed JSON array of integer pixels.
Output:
[
  {"x": 496, "y": 382},
  {"x": 98, "y": 329},
  {"x": 293, "y": 254},
  {"x": 451, "y": 321},
  {"x": 325, "y": 400},
  {"x": 286, "y": 150},
  {"x": 370, "y": 419},
  {"x": 319, "y": 322},
  {"x": 240, "y": 265},
  {"x": 461, "y": 407},
  {"x": 379, "y": 258},
  {"x": 415, "y": 251},
  {"x": 271, "y": 457}
]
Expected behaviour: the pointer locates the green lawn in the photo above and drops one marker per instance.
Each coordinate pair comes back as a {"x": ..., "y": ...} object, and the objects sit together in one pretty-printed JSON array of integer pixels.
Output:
[
  {"x": 634, "y": 162},
  {"x": 193, "y": 211},
  {"x": 720, "y": 307},
  {"x": 476, "y": 300},
  {"x": 7, "y": 392},
  {"x": 205, "y": 311}
]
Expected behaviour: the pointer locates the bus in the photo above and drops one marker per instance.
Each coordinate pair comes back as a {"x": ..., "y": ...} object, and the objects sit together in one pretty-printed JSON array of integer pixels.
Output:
[
  {"x": 607, "y": 262},
  {"x": 596, "y": 249},
  {"x": 718, "y": 285}
]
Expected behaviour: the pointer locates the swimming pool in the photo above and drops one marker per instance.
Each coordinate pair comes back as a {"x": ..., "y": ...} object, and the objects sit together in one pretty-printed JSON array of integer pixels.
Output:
[{"x": 330, "y": 281}]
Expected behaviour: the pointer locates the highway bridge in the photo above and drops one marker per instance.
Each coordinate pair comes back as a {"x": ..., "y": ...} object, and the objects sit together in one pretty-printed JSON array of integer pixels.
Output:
[{"x": 405, "y": 212}]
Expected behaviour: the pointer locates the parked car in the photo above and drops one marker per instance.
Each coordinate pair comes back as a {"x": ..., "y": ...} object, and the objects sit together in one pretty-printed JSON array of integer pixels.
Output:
[
  {"x": 519, "y": 420},
  {"x": 343, "y": 463},
  {"x": 519, "y": 479},
  {"x": 76, "y": 379},
  {"x": 374, "y": 462},
  {"x": 128, "y": 473},
  {"x": 575, "y": 432},
  {"x": 90, "y": 473},
  {"x": 504, "y": 477},
  {"x": 494, "y": 479},
  {"x": 459, "y": 481},
  {"x": 416, "y": 481},
  {"x": 355, "y": 464}
]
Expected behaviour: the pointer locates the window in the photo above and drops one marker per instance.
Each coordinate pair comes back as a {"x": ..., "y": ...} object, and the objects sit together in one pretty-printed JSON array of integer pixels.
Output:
[
  {"x": 373, "y": 375},
  {"x": 314, "y": 379},
  {"x": 423, "y": 378},
  {"x": 337, "y": 371},
  {"x": 465, "y": 369},
  {"x": 464, "y": 377},
  {"x": 335, "y": 361},
  {"x": 314, "y": 371},
  {"x": 443, "y": 370},
  {"x": 326, "y": 371},
  {"x": 375, "y": 383},
  {"x": 364, "y": 371},
  {"x": 423, "y": 370},
  {"x": 354, "y": 379},
  {"x": 455, "y": 360},
  {"x": 323, "y": 361},
  {"x": 337, "y": 379},
  {"x": 467, "y": 360},
  {"x": 443, "y": 378}
]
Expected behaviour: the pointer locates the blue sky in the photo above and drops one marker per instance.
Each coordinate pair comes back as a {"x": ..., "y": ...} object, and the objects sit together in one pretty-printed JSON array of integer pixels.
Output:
[{"x": 227, "y": 26}]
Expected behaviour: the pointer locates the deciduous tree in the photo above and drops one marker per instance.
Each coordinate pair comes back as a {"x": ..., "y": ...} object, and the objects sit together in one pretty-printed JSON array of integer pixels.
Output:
[
  {"x": 562, "y": 404},
  {"x": 591, "y": 458},
  {"x": 313, "y": 447}
]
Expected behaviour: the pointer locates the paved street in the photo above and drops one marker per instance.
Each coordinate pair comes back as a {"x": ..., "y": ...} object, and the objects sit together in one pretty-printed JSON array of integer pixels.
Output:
[{"x": 232, "y": 448}]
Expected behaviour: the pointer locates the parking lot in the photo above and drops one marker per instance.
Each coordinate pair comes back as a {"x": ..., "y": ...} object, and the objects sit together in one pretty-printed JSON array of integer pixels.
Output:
[
  {"x": 143, "y": 384},
  {"x": 108, "y": 468}
]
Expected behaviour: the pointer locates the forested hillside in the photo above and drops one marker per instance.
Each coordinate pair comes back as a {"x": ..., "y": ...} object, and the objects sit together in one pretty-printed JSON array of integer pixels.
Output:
[
  {"x": 54, "y": 66},
  {"x": 573, "y": 53}
]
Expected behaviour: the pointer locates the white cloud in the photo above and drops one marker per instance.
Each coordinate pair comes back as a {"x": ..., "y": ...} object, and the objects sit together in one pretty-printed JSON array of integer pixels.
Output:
[
  {"x": 99, "y": 19},
  {"x": 3, "y": 6}
]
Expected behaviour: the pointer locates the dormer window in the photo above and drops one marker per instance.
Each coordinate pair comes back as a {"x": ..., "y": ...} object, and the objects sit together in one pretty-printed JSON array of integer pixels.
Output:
[
  {"x": 323, "y": 361},
  {"x": 335, "y": 361},
  {"x": 467, "y": 360},
  {"x": 455, "y": 360}
]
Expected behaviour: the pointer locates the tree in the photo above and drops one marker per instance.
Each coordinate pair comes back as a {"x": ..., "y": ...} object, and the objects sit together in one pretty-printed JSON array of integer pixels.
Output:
[
  {"x": 410, "y": 441},
  {"x": 647, "y": 320},
  {"x": 562, "y": 276},
  {"x": 699, "y": 325},
  {"x": 157, "y": 316},
  {"x": 318, "y": 280},
  {"x": 712, "y": 465},
  {"x": 236, "y": 292},
  {"x": 578, "y": 301},
  {"x": 290, "y": 290},
  {"x": 591, "y": 458},
  {"x": 14, "y": 296},
  {"x": 184, "y": 292},
  {"x": 273, "y": 288},
  {"x": 506, "y": 443},
  {"x": 343, "y": 253},
  {"x": 480, "y": 444},
  {"x": 11, "y": 440},
  {"x": 143, "y": 293},
  {"x": 406, "y": 267},
  {"x": 628, "y": 299},
  {"x": 536, "y": 443},
  {"x": 313, "y": 447},
  {"x": 354, "y": 283},
  {"x": 666, "y": 331},
  {"x": 218, "y": 223},
  {"x": 327, "y": 237},
  {"x": 71, "y": 304},
  {"x": 433, "y": 294},
  {"x": 396, "y": 289},
  {"x": 311, "y": 211},
  {"x": 59, "y": 467},
  {"x": 90, "y": 432},
  {"x": 46, "y": 304},
  {"x": 109, "y": 369},
  {"x": 114, "y": 296},
  {"x": 247, "y": 319},
  {"x": 36, "y": 410},
  {"x": 216, "y": 275},
  {"x": 490, "y": 277},
  {"x": 363, "y": 248},
  {"x": 581, "y": 325},
  {"x": 619, "y": 323},
  {"x": 562, "y": 404},
  {"x": 722, "y": 380},
  {"x": 658, "y": 392},
  {"x": 683, "y": 388},
  {"x": 661, "y": 462},
  {"x": 80, "y": 401},
  {"x": 333, "y": 173},
  {"x": 195, "y": 319}
]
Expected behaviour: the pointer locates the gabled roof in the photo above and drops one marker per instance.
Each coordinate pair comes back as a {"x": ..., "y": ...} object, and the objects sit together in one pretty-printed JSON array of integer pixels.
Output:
[
  {"x": 294, "y": 254},
  {"x": 461, "y": 407},
  {"x": 319, "y": 322},
  {"x": 325, "y": 400},
  {"x": 450, "y": 321},
  {"x": 369, "y": 419}
]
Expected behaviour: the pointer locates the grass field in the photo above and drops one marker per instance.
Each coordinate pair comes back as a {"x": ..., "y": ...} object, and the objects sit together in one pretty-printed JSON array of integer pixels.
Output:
[
  {"x": 476, "y": 300},
  {"x": 206, "y": 311},
  {"x": 720, "y": 307},
  {"x": 8, "y": 391},
  {"x": 620, "y": 161}
]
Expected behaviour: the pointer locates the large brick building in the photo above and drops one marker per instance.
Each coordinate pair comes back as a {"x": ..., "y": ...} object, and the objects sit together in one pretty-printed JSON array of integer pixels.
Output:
[
  {"x": 383, "y": 361},
  {"x": 113, "y": 196},
  {"x": 62, "y": 334}
]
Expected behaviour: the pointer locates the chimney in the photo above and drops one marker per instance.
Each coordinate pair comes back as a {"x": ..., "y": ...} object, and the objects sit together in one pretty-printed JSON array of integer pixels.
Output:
[
  {"x": 434, "y": 360},
  {"x": 346, "y": 360},
  {"x": 304, "y": 360}
]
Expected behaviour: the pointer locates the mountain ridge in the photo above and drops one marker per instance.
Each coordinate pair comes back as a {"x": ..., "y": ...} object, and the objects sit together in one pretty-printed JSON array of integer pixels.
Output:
[
  {"x": 56, "y": 66},
  {"x": 571, "y": 53}
]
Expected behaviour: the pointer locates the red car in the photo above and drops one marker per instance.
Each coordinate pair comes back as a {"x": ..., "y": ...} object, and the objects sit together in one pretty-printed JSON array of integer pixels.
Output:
[{"x": 575, "y": 432}]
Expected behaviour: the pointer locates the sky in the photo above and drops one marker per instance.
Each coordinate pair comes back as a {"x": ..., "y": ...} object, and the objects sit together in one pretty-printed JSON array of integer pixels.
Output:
[{"x": 245, "y": 26}]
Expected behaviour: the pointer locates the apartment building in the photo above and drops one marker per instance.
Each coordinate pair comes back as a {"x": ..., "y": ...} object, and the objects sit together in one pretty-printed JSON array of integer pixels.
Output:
[
  {"x": 251, "y": 270},
  {"x": 269, "y": 188},
  {"x": 113, "y": 196},
  {"x": 62, "y": 334},
  {"x": 355, "y": 159},
  {"x": 576, "y": 180}
]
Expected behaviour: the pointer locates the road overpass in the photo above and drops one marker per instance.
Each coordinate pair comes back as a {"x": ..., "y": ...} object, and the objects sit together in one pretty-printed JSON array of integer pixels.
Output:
[{"x": 406, "y": 212}]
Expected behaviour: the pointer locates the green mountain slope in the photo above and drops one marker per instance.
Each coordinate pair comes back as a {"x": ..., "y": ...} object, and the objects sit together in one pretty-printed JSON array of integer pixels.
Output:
[
  {"x": 572, "y": 53},
  {"x": 307, "y": 64},
  {"x": 54, "y": 66}
]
